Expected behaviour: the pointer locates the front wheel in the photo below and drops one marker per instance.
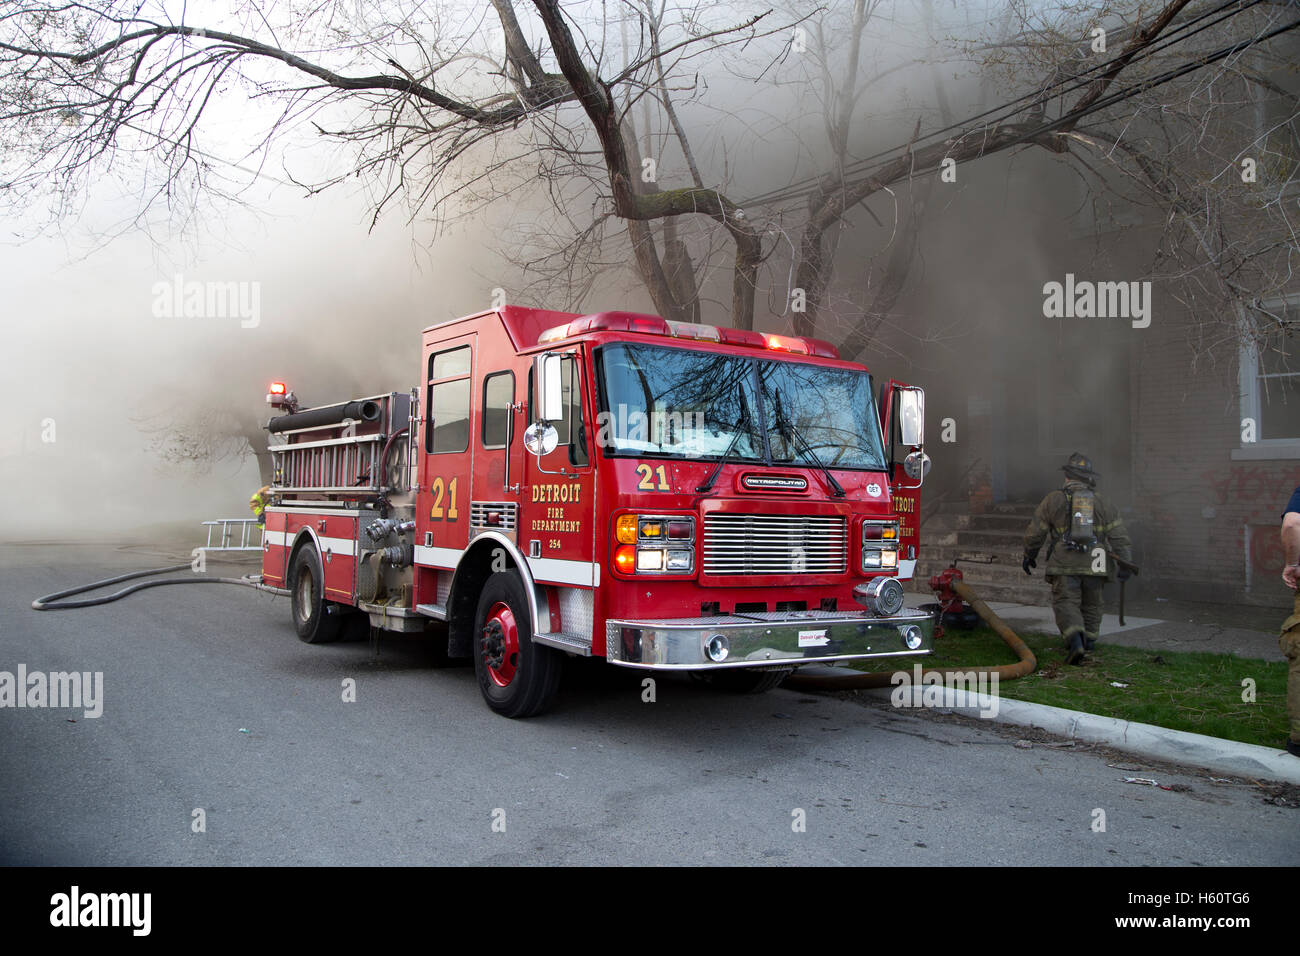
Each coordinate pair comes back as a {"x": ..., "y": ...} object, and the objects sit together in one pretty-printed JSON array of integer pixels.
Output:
[
  {"x": 311, "y": 617},
  {"x": 518, "y": 677}
]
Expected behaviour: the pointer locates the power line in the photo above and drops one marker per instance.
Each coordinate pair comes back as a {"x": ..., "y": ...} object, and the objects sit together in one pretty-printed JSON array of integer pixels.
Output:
[
  {"x": 1160, "y": 79},
  {"x": 1008, "y": 109}
]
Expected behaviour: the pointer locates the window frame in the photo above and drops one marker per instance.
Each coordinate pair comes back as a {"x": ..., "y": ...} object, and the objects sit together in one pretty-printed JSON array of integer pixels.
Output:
[
  {"x": 576, "y": 428},
  {"x": 432, "y": 382},
  {"x": 483, "y": 410},
  {"x": 1249, "y": 372},
  {"x": 759, "y": 412}
]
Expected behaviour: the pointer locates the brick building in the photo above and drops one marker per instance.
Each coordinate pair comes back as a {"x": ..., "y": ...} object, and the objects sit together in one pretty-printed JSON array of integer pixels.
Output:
[{"x": 1165, "y": 410}]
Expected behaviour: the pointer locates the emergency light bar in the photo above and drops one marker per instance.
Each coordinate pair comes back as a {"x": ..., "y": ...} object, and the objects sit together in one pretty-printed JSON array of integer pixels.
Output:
[
  {"x": 654, "y": 325},
  {"x": 279, "y": 396}
]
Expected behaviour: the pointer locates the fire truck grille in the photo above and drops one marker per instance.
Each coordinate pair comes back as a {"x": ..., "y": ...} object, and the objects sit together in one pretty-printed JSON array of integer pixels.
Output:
[{"x": 775, "y": 544}]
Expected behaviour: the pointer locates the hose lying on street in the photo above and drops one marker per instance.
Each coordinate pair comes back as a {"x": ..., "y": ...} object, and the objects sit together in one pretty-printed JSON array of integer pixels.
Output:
[
  {"x": 1025, "y": 665},
  {"x": 52, "y": 602}
]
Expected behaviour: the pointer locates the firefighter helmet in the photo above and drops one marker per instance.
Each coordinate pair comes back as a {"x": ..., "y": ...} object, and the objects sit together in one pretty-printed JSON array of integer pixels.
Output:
[{"x": 1079, "y": 467}]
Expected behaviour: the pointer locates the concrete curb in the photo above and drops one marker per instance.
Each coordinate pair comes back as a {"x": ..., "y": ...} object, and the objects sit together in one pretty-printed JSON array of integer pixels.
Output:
[{"x": 1178, "y": 746}]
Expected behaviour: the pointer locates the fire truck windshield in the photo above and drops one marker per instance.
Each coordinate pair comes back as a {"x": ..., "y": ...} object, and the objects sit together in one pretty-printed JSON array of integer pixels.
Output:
[{"x": 687, "y": 403}]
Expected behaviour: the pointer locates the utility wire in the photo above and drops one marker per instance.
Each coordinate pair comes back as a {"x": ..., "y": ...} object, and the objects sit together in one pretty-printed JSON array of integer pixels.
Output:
[{"x": 1009, "y": 108}]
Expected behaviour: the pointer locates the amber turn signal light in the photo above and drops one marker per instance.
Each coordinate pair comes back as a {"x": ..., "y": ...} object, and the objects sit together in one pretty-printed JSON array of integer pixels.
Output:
[{"x": 625, "y": 529}]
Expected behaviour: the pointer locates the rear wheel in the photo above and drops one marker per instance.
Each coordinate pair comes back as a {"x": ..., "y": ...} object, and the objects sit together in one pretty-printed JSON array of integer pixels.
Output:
[
  {"x": 745, "y": 680},
  {"x": 311, "y": 612},
  {"x": 518, "y": 677}
]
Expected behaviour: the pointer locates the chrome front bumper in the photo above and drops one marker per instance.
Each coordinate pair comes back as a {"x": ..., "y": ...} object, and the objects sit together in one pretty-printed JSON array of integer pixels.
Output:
[{"x": 785, "y": 638}]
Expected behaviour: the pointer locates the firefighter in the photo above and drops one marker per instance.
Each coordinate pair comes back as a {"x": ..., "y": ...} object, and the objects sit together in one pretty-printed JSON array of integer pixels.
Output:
[
  {"x": 1290, "y": 638},
  {"x": 1083, "y": 526},
  {"x": 258, "y": 501}
]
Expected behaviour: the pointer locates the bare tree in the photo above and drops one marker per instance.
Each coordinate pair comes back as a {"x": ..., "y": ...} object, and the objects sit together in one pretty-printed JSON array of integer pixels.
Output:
[
  {"x": 197, "y": 438},
  {"x": 436, "y": 114},
  {"x": 1199, "y": 135},
  {"x": 444, "y": 120}
]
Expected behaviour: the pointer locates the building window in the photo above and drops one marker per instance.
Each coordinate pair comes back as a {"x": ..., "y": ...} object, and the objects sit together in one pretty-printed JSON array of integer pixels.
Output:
[{"x": 1270, "y": 381}]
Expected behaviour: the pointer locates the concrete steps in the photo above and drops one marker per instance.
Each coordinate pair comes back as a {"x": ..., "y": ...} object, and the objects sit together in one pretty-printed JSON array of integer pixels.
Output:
[{"x": 988, "y": 548}]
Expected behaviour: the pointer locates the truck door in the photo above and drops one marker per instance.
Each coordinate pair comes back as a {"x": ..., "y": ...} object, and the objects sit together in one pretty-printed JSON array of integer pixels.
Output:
[
  {"x": 905, "y": 492},
  {"x": 556, "y": 526},
  {"x": 442, "y": 509},
  {"x": 498, "y": 464}
]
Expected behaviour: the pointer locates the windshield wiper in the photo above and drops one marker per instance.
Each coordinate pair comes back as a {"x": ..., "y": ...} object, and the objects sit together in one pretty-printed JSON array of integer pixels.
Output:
[
  {"x": 744, "y": 426},
  {"x": 786, "y": 426}
]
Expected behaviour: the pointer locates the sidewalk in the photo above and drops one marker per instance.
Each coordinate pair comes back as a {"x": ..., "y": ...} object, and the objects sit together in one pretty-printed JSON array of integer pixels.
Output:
[{"x": 1183, "y": 626}]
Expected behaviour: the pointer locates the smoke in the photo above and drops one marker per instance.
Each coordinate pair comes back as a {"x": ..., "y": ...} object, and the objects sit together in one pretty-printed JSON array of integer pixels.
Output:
[
  {"x": 137, "y": 368},
  {"x": 127, "y": 414},
  {"x": 108, "y": 388}
]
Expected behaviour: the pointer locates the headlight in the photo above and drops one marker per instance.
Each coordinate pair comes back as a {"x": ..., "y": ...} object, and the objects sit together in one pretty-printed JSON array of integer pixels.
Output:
[
  {"x": 879, "y": 544},
  {"x": 680, "y": 561},
  {"x": 654, "y": 544},
  {"x": 649, "y": 559}
]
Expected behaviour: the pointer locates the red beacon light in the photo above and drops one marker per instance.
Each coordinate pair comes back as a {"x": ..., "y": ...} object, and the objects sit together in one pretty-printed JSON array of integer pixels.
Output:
[
  {"x": 279, "y": 396},
  {"x": 786, "y": 343}
]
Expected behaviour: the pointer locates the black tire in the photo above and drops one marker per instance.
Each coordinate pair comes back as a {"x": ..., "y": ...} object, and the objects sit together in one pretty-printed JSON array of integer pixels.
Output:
[
  {"x": 745, "y": 680},
  {"x": 518, "y": 678},
  {"x": 311, "y": 612}
]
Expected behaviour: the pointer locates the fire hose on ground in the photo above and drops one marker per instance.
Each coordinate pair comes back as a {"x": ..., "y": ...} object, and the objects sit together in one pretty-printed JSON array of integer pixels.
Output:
[
  {"x": 1025, "y": 665},
  {"x": 952, "y": 581},
  {"x": 53, "y": 602}
]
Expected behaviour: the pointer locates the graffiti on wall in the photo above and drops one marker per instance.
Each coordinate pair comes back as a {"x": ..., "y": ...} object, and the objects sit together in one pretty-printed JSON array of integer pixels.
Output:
[
  {"x": 1260, "y": 492},
  {"x": 1267, "y": 486}
]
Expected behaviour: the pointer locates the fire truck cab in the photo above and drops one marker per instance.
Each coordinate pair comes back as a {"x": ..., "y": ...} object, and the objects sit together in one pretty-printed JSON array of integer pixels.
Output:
[{"x": 667, "y": 496}]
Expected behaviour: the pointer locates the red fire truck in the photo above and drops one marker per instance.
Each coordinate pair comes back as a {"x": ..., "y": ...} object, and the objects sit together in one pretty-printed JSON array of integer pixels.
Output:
[{"x": 667, "y": 496}]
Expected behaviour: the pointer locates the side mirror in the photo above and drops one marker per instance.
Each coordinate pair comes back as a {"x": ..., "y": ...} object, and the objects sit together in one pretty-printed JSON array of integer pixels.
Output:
[
  {"x": 911, "y": 417},
  {"x": 541, "y": 438},
  {"x": 547, "y": 370}
]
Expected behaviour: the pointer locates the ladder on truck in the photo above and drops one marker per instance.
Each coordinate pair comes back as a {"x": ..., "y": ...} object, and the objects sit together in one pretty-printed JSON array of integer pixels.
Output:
[
  {"x": 344, "y": 458},
  {"x": 247, "y": 529},
  {"x": 348, "y": 464}
]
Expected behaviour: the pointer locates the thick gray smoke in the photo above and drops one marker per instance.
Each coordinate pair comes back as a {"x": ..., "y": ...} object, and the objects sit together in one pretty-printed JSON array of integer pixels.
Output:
[
  {"x": 112, "y": 380},
  {"x": 128, "y": 400}
]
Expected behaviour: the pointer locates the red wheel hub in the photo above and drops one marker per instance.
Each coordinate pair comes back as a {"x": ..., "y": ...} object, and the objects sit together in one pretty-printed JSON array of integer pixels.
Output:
[{"x": 499, "y": 644}]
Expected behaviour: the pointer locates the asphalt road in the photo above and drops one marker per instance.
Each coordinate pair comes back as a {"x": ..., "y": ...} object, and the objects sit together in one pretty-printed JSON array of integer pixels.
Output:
[{"x": 210, "y": 702}]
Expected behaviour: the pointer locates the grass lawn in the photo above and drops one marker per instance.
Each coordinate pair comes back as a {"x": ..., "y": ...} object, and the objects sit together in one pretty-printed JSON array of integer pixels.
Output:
[{"x": 1201, "y": 693}]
